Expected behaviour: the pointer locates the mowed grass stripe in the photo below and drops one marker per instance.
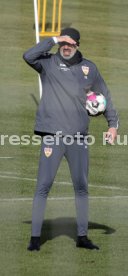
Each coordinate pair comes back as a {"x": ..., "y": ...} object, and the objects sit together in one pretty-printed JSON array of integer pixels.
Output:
[{"x": 62, "y": 182}]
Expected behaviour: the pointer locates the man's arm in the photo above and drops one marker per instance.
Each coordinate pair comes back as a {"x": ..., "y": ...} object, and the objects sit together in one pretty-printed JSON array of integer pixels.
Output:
[
  {"x": 38, "y": 52},
  {"x": 110, "y": 112}
]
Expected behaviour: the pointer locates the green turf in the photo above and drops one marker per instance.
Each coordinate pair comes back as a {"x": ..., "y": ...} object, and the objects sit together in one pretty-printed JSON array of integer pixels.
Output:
[
  {"x": 58, "y": 255},
  {"x": 104, "y": 38}
]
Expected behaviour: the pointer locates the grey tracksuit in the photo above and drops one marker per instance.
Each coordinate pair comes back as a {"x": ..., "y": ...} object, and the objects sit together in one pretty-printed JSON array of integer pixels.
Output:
[{"x": 62, "y": 108}]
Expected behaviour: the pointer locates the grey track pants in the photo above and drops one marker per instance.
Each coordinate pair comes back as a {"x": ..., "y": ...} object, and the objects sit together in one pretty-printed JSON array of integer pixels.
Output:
[{"x": 77, "y": 158}]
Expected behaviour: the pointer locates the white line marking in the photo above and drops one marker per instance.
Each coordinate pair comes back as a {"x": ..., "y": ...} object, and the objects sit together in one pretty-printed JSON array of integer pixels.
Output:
[
  {"x": 11, "y": 173},
  {"x": 61, "y": 198},
  {"x": 6, "y": 157},
  {"x": 16, "y": 199},
  {"x": 108, "y": 187},
  {"x": 17, "y": 177},
  {"x": 64, "y": 183},
  {"x": 95, "y": 186}
]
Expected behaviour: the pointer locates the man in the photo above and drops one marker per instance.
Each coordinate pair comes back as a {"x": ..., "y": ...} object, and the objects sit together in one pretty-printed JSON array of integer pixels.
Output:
[{"x": 66, "y": 77}]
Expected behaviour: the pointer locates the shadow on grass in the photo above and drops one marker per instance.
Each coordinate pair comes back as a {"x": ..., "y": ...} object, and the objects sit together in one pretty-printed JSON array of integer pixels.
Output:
[
  {"x": 34, "y": 99},
  {"x": 53, "y": 228}
]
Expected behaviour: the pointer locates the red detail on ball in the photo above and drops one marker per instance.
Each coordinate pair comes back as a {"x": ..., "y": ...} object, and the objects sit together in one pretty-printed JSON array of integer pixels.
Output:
[{"x": 91, "y": 97}]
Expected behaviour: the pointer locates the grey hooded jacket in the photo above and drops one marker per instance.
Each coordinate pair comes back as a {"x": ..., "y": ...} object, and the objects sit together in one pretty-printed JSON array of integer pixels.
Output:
[{"x": 62, "y": 106}]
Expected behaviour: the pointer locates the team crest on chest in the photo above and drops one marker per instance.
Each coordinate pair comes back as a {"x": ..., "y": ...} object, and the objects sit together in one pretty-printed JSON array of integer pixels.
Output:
[
  {"x": 48, "y": 152},
  {"x": 85, "y": 70}
]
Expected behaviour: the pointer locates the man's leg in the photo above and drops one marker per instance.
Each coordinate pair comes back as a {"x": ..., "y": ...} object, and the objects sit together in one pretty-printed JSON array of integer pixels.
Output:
[
  {"x": 77, "y": 156},
  {"x": 50, "y": 158}
]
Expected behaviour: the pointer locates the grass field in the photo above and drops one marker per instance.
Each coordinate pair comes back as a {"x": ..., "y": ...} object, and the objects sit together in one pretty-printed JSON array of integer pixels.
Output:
[{"x": 104, "y": 38}]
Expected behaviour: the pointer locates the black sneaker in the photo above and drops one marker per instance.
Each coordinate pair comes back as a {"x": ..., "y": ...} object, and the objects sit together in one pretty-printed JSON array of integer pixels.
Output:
[
  {"x": 34, "y": 244},
  {"x": 84, "y": 242}
]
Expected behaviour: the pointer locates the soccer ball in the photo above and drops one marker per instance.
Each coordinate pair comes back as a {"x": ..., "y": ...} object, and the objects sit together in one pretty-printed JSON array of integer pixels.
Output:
[{"x": 95, "y": 103}]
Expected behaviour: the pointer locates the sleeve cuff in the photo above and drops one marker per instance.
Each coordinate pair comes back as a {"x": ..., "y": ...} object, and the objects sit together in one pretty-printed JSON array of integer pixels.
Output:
[
  {"x": 55, "y": 39},
  {"x": 114, "y": 126}
]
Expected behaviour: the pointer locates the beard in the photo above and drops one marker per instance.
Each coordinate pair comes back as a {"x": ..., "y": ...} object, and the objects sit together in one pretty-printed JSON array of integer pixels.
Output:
[{"x": 69, "y": 56}]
